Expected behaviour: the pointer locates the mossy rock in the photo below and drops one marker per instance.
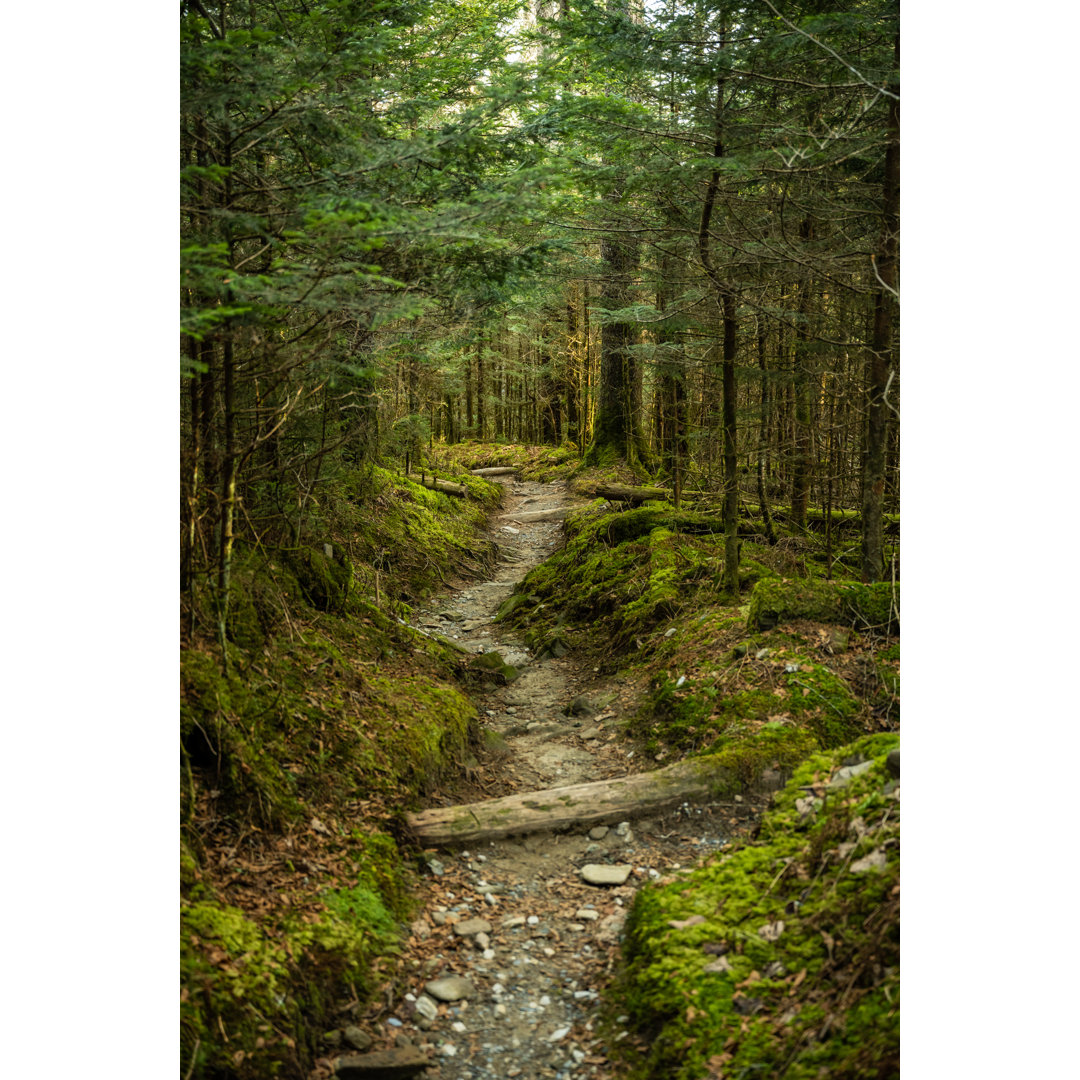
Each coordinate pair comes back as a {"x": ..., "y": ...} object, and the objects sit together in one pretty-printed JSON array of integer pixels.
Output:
[
  {"x": 849, "y": 603},
  {"x": 737, "y": 963},
  {"x": 515, "y": 602},
  {"x": 325, "y": 578},
  {"x": 494, "y": 664}
]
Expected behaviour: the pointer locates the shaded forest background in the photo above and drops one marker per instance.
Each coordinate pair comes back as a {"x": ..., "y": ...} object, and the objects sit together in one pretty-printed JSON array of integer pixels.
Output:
[{"x": 666, "y": 235}]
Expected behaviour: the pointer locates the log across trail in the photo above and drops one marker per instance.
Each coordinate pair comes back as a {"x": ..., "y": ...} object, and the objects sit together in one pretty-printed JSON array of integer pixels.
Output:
[{"x": 600, "y": 802}]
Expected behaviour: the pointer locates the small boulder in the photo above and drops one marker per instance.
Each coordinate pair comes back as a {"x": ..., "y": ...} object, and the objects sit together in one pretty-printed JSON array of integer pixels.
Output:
[
  {"x": 469, "y": 927},
  {"x": 892, "y": 763},
  {"x": 450, "y": 988},
  {"x": 847, "y": 774},
  {"x": 580, "y": 706},
  {"x": 426, "y": 1008},
  {"x": 397, "y": 1064},
  {"x": 601, "y": 874},
  {"x": 357, "y": 1038}
]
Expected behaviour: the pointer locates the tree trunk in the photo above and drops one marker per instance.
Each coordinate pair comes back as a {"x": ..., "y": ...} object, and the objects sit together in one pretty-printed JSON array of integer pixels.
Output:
[
  {"x": 726, "y": 300},
  {"x": 731, "y": 481},
  {"x": 801, "y": 382},
  {"x": 580, "y": 805},
  {"x": 480, "y": 388},
  {"x": 763, "y": 430},
  {"x": 878, "y": 361}
]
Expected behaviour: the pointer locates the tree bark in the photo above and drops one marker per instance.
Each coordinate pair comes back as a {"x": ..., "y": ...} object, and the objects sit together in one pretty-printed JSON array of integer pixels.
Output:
[
  {"x": 444, "y": 486},
  {"x": 879, "y": 357},
  {"x": 581, "y": 805},
  {"x": 763, "y": 430}
]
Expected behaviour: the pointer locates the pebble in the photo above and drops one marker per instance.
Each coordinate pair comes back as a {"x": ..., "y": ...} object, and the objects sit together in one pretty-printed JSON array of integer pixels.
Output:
[
  {"x": 450, "y": 988},
  {"x": 357, "y": 1038},
  {"x": 483, "y": 942},
  {"x": 500, "y": 1010},
  {"x": 847, "y": 774},
  {"x": 458, "y": 1026},
  {"x": 533, "y": 920},
  {"x": 600, "y": 874},
  {"x": 448, "y": 1050},
  {"x": 598, "y": 833},
  {"x": 589, "y": 914},
  {"x": 489, "y": 954},
  {"x": 514, "y": 920},
  {"x": 876, "y": 860},
  {"x": 472, "y": 926},
  {"x": 558, "y": 1033},
  {"x": 426, "y": 1008}
]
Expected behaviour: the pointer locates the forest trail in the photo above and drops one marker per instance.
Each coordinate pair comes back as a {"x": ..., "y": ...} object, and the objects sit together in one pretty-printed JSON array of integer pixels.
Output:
[{"x": 508, "y": 961}]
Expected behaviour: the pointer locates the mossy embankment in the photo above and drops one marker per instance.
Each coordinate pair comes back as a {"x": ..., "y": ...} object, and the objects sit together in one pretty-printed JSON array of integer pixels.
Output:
[
  {"x": 781, "y": 957},
  {"x": 329, "y": 718},
  {"x": 792, "y": 664},
  {"x": 542, "y": 464}
]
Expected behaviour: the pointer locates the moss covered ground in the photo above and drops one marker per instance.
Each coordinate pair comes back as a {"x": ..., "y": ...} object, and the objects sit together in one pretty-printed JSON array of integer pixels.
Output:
[
  {"x": 780, "y": 957},
  {"x": 789, "y": 666},
  {"x": 540, "y": 463},
  {"x": 330, "y": 711}
]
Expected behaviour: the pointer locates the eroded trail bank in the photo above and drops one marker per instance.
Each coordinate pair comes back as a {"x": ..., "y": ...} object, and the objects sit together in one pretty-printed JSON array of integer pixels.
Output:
[{"x": 508, "y": 962}]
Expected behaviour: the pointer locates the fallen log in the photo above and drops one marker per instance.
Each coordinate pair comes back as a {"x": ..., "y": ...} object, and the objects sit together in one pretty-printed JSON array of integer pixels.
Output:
[
  {"x": 638, "y": 495},
  {"x": 625, "y": 493},
  {"x": 444, "y": 486},
  {"x": 496, "y": 470},
  {"x": 599, "y": 802},
  {"x": 557, "y": 514}
]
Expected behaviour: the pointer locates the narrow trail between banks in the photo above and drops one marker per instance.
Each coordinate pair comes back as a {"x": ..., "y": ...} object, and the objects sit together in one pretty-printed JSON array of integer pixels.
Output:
[{"x": 509, "y": 959}]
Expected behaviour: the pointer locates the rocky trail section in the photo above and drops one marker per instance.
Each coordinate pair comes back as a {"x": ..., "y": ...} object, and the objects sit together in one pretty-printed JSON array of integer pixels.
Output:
[{"x": 506, "y": 966}]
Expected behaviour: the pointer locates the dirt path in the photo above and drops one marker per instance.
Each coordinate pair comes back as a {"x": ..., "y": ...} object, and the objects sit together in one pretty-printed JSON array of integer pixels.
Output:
[{"x": 513, "y": 926}]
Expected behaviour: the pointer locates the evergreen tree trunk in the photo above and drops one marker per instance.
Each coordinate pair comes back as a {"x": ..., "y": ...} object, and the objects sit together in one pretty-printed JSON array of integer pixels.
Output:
[
  {"x": 878, "y": 361},
  {"x": 616, "y": 433},
  {"x": 726, "y": 302},
  {"x": 731, "y": 479},
  {"x": 763, "y": 430},
  {"x": 480, "y": 387},
  {"x": 801, "y": 382}
]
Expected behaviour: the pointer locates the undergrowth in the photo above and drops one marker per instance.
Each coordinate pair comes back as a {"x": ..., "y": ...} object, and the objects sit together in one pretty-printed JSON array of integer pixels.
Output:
[
  {"x": 781, "y": 957},
  {"x": 325, "y": 709}
]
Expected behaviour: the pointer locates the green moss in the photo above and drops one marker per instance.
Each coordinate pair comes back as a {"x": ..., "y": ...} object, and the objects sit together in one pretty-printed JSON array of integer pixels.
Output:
[
  {"x": 234, "y": 978},
  {"x": 774, "y": 601},
  {"x": 325, "y": 579},
  {"x": 762, "y": 1008},
  {"x": 795, "y": 691},
  {"x": 540, "y": 463},
  {"x": 273, "y": 992}
]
